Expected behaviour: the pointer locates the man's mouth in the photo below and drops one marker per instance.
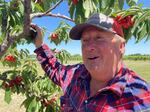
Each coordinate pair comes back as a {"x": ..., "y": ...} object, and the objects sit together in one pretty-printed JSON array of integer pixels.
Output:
[{"x": 92, "y": 58}]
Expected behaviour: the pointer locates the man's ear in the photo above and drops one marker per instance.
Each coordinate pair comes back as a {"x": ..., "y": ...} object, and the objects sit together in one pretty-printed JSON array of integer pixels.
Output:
[{"x": 122, "y": 47}]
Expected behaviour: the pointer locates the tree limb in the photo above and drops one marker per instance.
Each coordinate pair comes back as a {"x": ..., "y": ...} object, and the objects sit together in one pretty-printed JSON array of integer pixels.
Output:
[
  {"x": 48, "y": 13},
  {"x": 27, "y": 20},
  {"x": 53, "y": 7},
  {"x": 34, "y": 15},
  {"x": 9, "y": 39},
  {"x": 6, "y": 44}
]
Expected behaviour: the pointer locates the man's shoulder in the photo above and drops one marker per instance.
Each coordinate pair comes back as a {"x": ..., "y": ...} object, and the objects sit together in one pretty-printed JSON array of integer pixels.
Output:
[
  {"x": 136, "y": 92},
  {"x": 136, "y": 82}
]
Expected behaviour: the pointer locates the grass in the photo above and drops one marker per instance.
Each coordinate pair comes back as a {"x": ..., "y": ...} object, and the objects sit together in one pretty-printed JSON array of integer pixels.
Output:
[
  {"x": 141, "y": 67},
  {"x": 14, "y": 105}
]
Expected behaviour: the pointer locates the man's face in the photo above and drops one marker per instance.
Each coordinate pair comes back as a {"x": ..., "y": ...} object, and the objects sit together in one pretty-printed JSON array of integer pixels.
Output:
[{"x": 100, "y": 53}]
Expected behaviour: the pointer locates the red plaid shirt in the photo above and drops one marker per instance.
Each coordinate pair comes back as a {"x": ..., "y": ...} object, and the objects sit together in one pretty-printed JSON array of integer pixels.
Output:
[{"x": 126, "y": 92}]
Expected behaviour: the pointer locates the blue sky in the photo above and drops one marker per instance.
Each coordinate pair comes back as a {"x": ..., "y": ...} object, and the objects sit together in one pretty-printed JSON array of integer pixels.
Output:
[{"x": 74, "y": 47}]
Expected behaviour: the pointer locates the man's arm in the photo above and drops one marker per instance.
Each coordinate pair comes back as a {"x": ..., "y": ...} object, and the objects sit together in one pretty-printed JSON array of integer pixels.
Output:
[{"x": 58, "y": 73}]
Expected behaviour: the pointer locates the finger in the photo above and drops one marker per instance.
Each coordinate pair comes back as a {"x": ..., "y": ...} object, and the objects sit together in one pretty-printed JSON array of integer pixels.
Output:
[{"x": 35, "y": 26}]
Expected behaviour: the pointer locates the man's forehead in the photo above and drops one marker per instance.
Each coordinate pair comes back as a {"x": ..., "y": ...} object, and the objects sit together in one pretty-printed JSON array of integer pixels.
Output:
[{"x": 93, "y": 28}]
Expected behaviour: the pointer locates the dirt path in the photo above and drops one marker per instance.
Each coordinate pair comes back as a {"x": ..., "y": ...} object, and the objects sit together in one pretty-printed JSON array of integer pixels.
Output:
[{"x": 14, "y": 105}]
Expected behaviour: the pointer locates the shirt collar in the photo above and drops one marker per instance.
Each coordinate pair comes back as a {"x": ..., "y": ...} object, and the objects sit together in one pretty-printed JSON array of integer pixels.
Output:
[
  {"x": 116, "y": 85},
  {"x": 84, "y": 73}
]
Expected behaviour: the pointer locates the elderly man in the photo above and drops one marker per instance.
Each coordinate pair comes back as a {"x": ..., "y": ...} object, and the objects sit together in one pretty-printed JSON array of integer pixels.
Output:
[{"x": 102, "y": 83}]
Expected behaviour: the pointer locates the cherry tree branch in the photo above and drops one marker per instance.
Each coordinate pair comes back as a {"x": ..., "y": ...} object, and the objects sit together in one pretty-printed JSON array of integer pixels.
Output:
[
  {"x": 27, "y": 21},
  {"x": 51, "y": 15},
  {"x": 10, "y": 39},
  {"x": 53, "y": 7},
  {"x": 6, "y": 44},
  {"x": 48, "y": 13}
]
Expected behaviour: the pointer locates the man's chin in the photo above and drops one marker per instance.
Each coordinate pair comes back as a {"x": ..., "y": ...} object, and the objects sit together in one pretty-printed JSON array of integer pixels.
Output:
[{"x": 93, "y": 68}]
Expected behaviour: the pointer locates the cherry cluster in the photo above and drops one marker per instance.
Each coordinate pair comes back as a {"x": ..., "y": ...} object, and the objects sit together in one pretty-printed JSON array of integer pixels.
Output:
[
  {"x": 16, "y": 81},
  {"x": 125, "y": 22},
  {"x": 10, "y": 58}
]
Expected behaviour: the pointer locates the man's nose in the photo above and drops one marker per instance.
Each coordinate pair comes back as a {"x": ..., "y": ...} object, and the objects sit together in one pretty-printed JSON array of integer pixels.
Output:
[{"x": 91, "y": 46}]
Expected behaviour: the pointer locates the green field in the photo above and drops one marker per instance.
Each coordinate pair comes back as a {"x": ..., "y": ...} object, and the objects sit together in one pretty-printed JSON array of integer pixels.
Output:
[{"x": 141, "y": 67}]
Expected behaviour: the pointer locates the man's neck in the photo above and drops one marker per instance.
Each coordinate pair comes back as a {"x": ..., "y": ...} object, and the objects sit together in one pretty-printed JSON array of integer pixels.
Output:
[{"x": 96, "y": 85}]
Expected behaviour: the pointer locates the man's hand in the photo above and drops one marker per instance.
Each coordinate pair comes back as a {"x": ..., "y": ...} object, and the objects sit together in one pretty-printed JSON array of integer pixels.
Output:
[{"x": 39, "y": 38}]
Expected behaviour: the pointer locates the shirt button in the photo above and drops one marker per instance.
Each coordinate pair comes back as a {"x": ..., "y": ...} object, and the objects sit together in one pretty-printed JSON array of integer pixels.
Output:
[
  {"x": 86, "y": 101},
  {"x": 63, "y": 105}
]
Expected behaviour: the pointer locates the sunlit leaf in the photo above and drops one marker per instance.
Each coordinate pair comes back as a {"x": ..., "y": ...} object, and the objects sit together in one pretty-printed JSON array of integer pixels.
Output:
[{"x": 7, "y": 95}]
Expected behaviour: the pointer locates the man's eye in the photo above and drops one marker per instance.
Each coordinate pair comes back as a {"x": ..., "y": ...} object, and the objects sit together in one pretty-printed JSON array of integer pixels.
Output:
[
  {"x": 85, "y": 40},
  {"x": 98, "y": 38}
]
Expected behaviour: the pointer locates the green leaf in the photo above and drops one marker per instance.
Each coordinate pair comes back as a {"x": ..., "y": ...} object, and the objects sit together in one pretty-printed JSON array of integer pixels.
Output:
[
  {"x": 128, "y": 34},
  {"x": 1, "y": 82},
  {"x": 142, "y": 32},
  {"x": 47, "y": 4},
  {"x": 7, "y": 95},
  {"x": 38, "y": 106},
  {"x": 121, "y": 4},
  {"x": 146, "y": 14},
  {"x": 108, "y": 11},
  {"x": 103, "y": 3},
  {"x": 26, "y": 102},
  {"x": 110, "y": 3},
  {"x": 4, "y": 14},
  {"x": 79, "y": 15},
  {"x": 148, "y": 29},
  {"x": 50, "y": 109},
  {"x": 36, "y": 89},
  {"x": 72, "y": 10},
  {"x": 32, "y": 105},
  {"x": 140, "y": 27},
  {"x": 131, "y": 2},
  {"x": 89, "y": 7},
  {"x": 38, "y": 7},
  {"x": 140, "y": 19}
]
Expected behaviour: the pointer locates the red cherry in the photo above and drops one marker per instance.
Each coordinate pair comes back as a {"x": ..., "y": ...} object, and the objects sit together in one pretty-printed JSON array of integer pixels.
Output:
[
  {"x": 11, "y": 83},
  {"x": 5, "y": 85},
  {"x": 10, "y": 58},
  {"x": 75, "y": 2},
  {"x": 125, "y": 22},
  {"x": 18, "y": 80},
  {"x": 54, "y": 36},
  {"x": 118, "y": 18}
]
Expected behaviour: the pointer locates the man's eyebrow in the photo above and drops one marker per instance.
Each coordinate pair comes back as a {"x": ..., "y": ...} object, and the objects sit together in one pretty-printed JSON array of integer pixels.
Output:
[{"x": 85, "y": 36}]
